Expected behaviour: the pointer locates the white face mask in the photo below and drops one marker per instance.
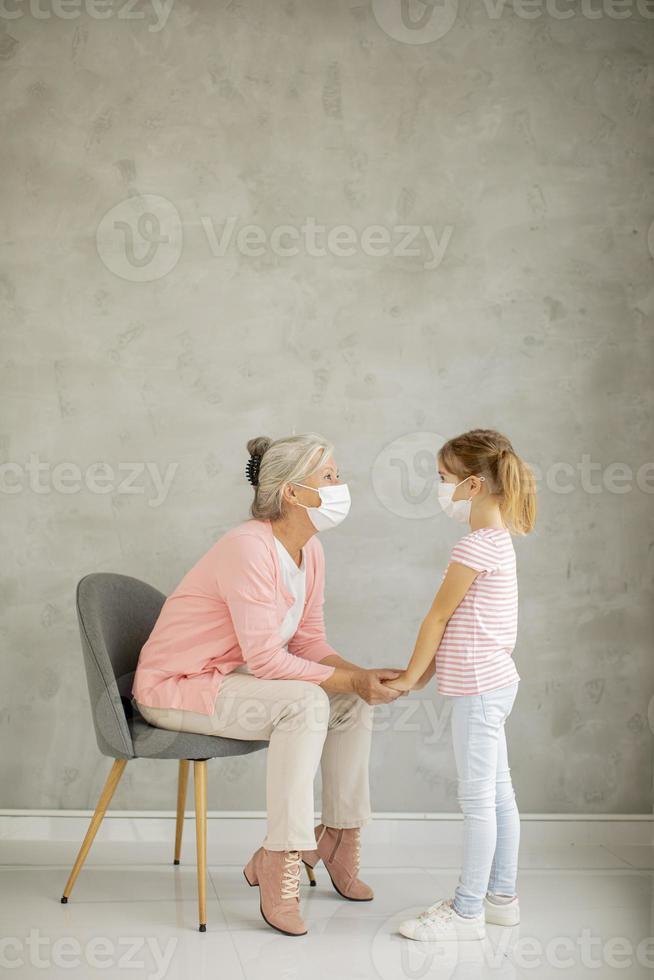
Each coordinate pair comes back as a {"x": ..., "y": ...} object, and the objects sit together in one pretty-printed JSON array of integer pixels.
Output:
[
  {"x": 458, "y": 509},
  {"x": 334, "y": 506}
]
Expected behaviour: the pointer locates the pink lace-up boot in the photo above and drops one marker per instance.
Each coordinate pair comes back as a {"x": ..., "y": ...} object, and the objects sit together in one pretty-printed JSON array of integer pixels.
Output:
[
  {"x": 277, "y": 873},
  {"x": 340, "y": 851}
]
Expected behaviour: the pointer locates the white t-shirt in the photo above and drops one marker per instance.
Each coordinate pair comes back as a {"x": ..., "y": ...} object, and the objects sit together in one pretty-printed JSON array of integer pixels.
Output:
[{"x": 295, "y": 581}]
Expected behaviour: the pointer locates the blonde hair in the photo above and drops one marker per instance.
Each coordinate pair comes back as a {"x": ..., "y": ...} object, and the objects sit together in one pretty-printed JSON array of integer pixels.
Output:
[
  {"x": 283, "y": 461},
  {"x": 485, "y": 452}
]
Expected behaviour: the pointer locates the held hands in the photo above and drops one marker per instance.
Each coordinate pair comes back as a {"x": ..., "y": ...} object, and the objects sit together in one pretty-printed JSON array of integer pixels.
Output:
[
  {"x": 402, "y": 683},
  {"x": 373, "y": 686},
  {"x": 407, "y": 681}
]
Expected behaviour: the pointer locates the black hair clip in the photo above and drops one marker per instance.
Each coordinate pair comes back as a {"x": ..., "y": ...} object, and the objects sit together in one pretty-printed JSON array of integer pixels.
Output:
[{"x": 252, "y": 470}]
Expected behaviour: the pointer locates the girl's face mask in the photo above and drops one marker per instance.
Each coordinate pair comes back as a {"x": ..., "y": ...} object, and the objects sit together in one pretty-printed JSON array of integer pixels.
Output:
[
  {"x": 334, "y": 506},
  {"x": 458, "y": 509}
]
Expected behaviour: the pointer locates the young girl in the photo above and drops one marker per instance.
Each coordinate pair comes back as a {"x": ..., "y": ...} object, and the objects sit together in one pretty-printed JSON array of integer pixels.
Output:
[{"x": 472, "y": 627}]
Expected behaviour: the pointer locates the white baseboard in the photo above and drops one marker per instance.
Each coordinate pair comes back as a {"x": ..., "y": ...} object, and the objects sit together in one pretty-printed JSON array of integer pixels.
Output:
[
  {"x": 380, "y": 815},
  {"x": 227, "y": 827}
]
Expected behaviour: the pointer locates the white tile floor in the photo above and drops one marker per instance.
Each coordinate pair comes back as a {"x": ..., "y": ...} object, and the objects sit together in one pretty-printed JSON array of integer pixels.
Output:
[{"x": 132, "y": 914}]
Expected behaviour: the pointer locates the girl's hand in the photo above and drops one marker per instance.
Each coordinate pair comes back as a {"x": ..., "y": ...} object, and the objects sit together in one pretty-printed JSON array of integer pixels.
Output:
[{"x": 401, "y": 683}]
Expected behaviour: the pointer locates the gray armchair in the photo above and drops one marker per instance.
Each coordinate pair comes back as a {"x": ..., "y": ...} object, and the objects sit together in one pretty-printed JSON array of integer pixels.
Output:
[{"x": 116, "y": 614}]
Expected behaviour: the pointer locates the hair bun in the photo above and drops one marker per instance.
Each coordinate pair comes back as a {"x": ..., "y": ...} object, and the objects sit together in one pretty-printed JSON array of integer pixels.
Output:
[
  {"x": 258, "y": 445},
  {"x": 256, "y": 448}
]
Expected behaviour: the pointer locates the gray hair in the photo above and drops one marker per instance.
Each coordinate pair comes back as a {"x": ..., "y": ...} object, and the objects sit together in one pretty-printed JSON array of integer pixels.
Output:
[{"x": 284, "y": 461}]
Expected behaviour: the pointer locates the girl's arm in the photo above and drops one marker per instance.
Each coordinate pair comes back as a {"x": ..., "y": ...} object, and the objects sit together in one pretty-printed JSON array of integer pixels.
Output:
[
  {"x": 421, "y": 667},
  {"x": 426, "y": 677}
]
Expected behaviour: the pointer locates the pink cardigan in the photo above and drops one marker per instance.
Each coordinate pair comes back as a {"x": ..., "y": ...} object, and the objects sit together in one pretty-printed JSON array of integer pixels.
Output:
[{"x": 228, "y": 610}]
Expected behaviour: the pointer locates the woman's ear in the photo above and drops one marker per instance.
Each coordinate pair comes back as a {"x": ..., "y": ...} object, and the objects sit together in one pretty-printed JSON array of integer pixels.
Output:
[{"x": 288, "y": 494}]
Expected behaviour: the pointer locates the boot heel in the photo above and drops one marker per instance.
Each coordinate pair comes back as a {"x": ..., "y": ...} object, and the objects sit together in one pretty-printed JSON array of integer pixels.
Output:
[
  {"x": 310, "y": 874},
  {"x": 250, "y": 874}
]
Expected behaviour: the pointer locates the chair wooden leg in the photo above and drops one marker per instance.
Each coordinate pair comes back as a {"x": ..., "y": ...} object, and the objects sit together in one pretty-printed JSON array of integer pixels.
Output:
[
  {"x": 200, "y": 780},
  {"x": 105, "y": 798},
  {"x": 182, "y": 783}
]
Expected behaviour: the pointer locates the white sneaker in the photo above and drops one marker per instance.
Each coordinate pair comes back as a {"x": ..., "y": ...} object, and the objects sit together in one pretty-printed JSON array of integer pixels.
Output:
[
  {"x": 440, "y": 923},
  {"x": 507, "y": 914}
]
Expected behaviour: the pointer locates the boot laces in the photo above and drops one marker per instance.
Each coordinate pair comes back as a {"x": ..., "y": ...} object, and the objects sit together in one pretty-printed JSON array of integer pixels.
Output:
[
  {"x": 291, "y": 875},
  {"x": 357, "y": 851}
]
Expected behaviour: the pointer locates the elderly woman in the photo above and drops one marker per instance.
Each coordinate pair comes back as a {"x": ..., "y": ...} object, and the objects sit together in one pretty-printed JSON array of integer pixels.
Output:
[{"x": 239, "y": 650}]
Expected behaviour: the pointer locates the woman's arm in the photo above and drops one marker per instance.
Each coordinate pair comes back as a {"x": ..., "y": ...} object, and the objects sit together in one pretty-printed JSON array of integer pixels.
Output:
[
  {"x": 335, "y": 660},
  {"x": 351, "y": 679},
  {"x": 421, "y": 667}
]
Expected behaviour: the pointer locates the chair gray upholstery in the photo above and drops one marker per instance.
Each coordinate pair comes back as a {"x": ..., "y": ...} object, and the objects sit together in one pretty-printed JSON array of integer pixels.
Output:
[{"x": 116, "y": 614}]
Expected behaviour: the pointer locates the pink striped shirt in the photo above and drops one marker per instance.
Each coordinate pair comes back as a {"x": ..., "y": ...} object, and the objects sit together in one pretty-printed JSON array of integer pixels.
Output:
[{"x": 474, "y": 654}]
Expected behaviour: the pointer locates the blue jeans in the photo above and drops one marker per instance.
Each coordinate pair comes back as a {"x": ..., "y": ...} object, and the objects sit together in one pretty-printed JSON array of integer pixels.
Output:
[{"x": 491, "y": 823}]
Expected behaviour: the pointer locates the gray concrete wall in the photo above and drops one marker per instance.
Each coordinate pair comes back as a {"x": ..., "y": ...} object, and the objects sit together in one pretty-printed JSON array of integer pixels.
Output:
[{"x": 506, "y": 159}]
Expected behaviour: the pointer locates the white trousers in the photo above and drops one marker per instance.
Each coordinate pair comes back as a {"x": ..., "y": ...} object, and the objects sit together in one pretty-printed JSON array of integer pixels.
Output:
[{"x": 305, "y": 728}]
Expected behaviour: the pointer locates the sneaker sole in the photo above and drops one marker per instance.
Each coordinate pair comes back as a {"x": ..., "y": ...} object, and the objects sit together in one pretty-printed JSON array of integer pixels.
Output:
[
  {"x": 502, "y": 922},
  {"x": 478, "y": 937}
]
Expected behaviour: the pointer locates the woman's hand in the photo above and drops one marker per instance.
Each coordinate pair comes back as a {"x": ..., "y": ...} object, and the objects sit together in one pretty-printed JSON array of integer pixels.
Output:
[{"x": 372, "y": 686}]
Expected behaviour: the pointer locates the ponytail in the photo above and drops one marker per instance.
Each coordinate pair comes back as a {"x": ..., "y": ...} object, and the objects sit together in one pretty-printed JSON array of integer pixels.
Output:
[{"x": 518, "y": 489}]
